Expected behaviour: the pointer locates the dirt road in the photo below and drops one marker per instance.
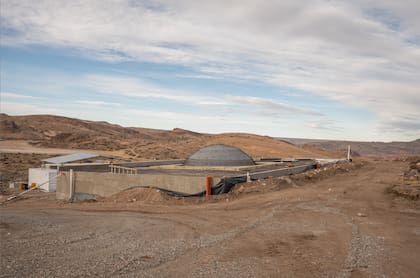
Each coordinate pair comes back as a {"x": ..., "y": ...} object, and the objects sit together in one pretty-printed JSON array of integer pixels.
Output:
[{"x": 342, "y": 226}]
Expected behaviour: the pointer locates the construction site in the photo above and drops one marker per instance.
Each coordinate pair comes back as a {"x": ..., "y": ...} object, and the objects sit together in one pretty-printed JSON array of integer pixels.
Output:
[
  {"x": 211, "y": 170},
  {"x": 231, "y": 206},
  {"x": 156, "y": 138}
]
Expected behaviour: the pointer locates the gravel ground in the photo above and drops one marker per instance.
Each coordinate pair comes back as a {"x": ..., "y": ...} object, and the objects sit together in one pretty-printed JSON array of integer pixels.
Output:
[{"x": 340, "y": 226}]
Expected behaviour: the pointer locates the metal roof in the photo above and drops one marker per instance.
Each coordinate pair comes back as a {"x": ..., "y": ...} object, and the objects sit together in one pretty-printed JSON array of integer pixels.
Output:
[
  {"x": 219, "y": 155},
  {"x": 69, "y": 158}
]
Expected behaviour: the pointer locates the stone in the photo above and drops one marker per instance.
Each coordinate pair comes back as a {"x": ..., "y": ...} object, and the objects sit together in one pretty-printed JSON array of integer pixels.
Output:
[{"x": 413, "y": 172}]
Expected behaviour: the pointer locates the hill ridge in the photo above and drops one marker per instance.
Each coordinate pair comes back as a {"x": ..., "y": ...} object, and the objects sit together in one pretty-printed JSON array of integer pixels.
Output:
[{"x": 138, "y": 142}]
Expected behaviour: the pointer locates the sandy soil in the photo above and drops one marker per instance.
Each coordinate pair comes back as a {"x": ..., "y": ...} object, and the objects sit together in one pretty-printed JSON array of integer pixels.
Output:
[
  {"x": 23, "y": 146},
  {"x": 14, "y": 167},
  {"x": 339, "y": 226}
]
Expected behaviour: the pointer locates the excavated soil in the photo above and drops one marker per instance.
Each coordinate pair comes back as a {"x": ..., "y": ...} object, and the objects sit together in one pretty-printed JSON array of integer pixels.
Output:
[
  {"x": 338, "y": 225},
  {"x": 141, "y": 196},
  {"x": 147, "y": 195},
  {"x": 409, "y": 184},
  {"x": 409, "y": 191}
]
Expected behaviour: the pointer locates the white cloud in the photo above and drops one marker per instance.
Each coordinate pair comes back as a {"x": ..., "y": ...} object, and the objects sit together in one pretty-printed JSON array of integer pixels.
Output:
[
  {"x": 97, "y": 103},
  {"x": 362, "y": 53},
  {"x": 270, "y": 107},
  {"x": 324, "y": 124},
  {"x": 136, "y": 87},
  {"x": 19, "y": 108},
  {"x": 16, "y": 96}
]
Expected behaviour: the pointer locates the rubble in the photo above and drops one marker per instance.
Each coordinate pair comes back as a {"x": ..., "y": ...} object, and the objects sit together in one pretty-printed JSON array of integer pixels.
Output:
[{"x": 409, "y": 184}]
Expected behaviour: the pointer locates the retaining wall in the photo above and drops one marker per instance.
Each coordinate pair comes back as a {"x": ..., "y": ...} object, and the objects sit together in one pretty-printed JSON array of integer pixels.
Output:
[{"x": 106, "y": 184}]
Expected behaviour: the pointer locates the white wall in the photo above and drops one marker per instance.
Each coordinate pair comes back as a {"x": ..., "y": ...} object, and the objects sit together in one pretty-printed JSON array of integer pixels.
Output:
[{"x": 43, "y": 175}]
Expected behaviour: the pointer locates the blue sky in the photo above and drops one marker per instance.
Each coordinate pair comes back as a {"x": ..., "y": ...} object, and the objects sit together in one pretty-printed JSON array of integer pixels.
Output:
[{"x": 314, "y": 69}]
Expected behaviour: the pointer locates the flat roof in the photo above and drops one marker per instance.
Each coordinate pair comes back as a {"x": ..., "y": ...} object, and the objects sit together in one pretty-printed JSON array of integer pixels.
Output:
[{"x": 69, "y": 158}]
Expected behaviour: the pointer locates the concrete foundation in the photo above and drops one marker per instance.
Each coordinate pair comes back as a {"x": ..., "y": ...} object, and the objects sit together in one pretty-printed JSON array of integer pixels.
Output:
[
  {"x": 107, "y": 184},
  {"x": 90, "y": 180}
]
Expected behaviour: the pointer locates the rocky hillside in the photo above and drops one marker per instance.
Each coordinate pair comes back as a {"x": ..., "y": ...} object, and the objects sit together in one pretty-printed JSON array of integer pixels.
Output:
[
  {"x": 373, "y": 149},
  {"x": 63, "y": 132},
  {"x": 140, "y": 143}
]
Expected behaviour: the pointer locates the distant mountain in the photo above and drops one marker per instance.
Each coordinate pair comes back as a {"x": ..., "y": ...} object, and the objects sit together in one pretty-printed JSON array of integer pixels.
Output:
[
  {"x": 373, "y": 149},
  {"x": 144, "y": 143}
]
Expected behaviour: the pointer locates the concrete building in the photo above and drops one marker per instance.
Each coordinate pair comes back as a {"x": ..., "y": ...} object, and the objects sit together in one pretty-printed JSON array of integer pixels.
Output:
[
  {"x": 187, "y": 176},
  {"x": 46, "y": 174}
]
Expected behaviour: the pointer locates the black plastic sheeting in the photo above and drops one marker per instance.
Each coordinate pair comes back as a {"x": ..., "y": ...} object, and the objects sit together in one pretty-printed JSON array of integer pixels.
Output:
[{"x": 224, "y": 186}]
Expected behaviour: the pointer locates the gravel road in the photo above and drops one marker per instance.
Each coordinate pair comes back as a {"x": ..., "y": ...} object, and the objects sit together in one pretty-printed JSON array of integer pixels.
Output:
[{"x": 341, "y": 226}]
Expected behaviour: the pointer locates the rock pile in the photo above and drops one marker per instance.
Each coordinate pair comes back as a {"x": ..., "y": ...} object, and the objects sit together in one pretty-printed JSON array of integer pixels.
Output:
[
  {"x": 409, "y": 185},
  {"x": 413, "y": 173}
]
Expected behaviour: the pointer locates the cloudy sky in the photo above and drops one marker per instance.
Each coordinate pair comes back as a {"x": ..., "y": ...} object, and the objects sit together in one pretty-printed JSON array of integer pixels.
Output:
[{"x": 314, "y": 69}]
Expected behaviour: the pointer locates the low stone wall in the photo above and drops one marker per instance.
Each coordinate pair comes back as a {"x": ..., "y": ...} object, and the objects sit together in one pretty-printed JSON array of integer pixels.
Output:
[{"x": 106, "y": 184}]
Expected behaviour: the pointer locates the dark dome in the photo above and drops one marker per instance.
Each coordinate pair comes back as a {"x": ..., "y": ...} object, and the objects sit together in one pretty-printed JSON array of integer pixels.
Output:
[{"x": 219, "y": 155}]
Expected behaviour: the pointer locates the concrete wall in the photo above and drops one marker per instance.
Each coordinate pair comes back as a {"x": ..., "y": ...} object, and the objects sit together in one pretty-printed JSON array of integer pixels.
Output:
[
  {"x": 43, "y": 176},
  {"x": 106, "y": 184},
  {"x": 63, "y": 187}
]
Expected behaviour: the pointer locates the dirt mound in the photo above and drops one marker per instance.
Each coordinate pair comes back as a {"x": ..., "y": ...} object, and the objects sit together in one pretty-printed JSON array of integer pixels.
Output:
[
  {"x": 155, "y": 196},
  {"x": 409, "y": 184},
  {"x": 311, "y": 176},
  {"x": 408, "y": 191},
  {"x": 144, "y": 195}
]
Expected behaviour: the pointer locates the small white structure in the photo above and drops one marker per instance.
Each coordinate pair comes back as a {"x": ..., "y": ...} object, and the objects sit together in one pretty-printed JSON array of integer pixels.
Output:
[
  {"x": 43, "y": 175},
  {"x": 47, "y": 174}
]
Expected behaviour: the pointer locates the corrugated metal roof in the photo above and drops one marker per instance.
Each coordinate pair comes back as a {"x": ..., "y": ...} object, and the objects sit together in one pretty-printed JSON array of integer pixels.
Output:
[{"x": 69, "y": 158}]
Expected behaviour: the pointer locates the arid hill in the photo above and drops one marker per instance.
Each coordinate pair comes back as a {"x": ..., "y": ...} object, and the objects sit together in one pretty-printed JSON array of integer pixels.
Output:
[
  {"x": 139, "y": 143},
  {"x": 372, "y": 149},
  {"x": 254, "y": 145}
]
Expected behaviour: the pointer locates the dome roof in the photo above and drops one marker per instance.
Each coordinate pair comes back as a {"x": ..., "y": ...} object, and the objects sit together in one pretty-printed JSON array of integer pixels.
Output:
[{"x": 219, "y": 155}]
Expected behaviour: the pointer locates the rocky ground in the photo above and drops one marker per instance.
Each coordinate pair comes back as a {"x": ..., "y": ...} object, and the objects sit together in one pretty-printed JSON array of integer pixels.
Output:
[
  {"x": 339, "y": 222},
  {"x": 14, "y": 167},
  {"x": 408, "y": 185}
]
